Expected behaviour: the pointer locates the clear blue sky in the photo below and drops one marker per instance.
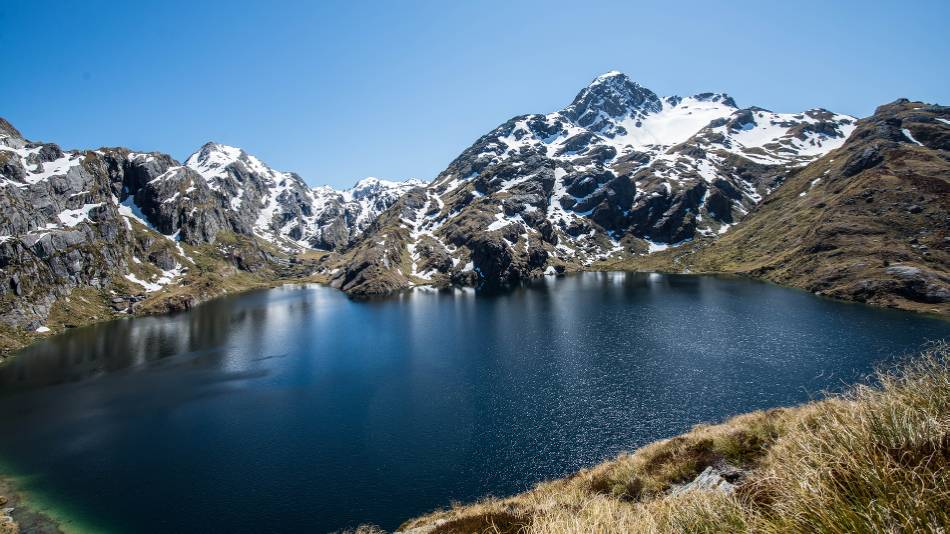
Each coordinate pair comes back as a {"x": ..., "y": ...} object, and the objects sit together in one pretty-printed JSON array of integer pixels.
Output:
[{"x": 337, "y": 91}]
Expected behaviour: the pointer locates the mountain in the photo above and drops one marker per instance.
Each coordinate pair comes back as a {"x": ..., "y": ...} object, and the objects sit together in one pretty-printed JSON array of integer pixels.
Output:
[
  {"x": 283, "y": 210},
  {"x": 619, "y": 179},
  {"x": 618, "y": 172},
  {"x": 869, "y": 221},
  {"x": 344, "y": 215},
  {"x": 84, "y": 234},
  {"x": 88, "y": 235}
]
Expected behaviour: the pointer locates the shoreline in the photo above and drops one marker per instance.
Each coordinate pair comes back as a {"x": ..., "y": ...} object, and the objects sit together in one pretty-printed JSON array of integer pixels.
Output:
[
  {"x": 23, "y": 339},
  {"x": 712, "y": 478},
  {"x": 21, "y": 513},
  {"x": 18, "y": 340},
  {"x": 41, "y": 509},
  {"x": 36, "y": 512}
]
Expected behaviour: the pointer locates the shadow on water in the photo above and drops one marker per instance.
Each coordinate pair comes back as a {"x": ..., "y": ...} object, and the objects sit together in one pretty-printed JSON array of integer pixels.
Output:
[{"x": 297, "y": 409}]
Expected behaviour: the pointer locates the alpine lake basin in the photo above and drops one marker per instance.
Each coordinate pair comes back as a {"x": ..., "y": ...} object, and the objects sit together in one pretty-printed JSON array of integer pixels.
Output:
[{"x": 297, "y": 409}]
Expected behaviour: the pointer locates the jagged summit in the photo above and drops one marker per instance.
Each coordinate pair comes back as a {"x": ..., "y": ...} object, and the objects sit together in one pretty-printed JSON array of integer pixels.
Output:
[
  {"x": 611, "y": 96},
  {"x": 213, "y": 159},
  {"x": 7, "y": 130},
  {"x": 212, "y": 149},
  {"x": 283, "y": 209},
  {"x": 628, "y": 114},
  {"x": 619, "y": 171}
]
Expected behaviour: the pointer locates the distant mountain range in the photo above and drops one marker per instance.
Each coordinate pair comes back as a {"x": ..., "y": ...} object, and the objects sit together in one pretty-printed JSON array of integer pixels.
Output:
[
  {"x": 282, "y": 209},
  {"x": 620, "y": 178}
]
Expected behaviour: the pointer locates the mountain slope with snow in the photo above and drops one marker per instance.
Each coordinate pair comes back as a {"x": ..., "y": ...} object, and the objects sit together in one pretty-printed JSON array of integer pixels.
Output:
[
  {"x": 619, "y": 171},
  {"x": 129, "y": 230},
  {"x": 283, "y": 210},
  {"x": 867, "y": 222},
  {"x": 115, "y": 225},
  {"x": 342, "y": 215}
]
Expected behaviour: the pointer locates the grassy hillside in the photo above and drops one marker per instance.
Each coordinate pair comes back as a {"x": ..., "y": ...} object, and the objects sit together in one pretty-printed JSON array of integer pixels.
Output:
[
  {"x": 876, "y": 459},
  {"x": 867, "y": 222}
]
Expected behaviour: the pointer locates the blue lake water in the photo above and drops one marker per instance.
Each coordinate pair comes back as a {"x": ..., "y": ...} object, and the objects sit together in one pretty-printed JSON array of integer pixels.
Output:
[{"x": 298, "y": 410}]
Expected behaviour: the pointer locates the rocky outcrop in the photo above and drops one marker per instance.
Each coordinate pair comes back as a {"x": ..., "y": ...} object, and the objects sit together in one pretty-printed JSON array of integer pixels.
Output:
[
  {"x": 721, "y": 477},
  {"x": 279, "y": 206},
  {"x": 110, "y": 220}
]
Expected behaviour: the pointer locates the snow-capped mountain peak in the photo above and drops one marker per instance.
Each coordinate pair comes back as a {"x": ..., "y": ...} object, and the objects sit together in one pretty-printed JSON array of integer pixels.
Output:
[
  {"x": 618, "y": 171},
  {"x": 371, "y": 186},
  {"x": 610, "y": 97},
  {"x": 282, "y": 208},
  {"x": 212, "y": 158},
  {"x": 630, "y": 116}
]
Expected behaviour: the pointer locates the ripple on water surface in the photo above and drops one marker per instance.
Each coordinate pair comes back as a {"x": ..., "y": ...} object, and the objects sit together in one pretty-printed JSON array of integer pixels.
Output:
[{"x": 298, "y": 409}]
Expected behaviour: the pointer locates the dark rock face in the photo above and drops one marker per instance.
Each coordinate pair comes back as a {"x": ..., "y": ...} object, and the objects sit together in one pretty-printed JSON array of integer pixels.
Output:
[
  {"x": 865, "y": 159},
  {"x": 917, "y": 284},
  {"x": 95, "y": 219},
  {"x": 175, "y": 199},
  {"x": 496, "y": 265}
]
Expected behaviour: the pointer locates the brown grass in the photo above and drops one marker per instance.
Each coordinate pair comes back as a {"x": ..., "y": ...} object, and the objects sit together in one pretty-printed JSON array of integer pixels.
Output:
[{"x": 876, "y": 459}]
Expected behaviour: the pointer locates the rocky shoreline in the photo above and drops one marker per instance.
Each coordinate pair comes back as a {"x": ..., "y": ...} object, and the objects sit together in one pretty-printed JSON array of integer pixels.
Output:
[{"x": 18, "y": 515}]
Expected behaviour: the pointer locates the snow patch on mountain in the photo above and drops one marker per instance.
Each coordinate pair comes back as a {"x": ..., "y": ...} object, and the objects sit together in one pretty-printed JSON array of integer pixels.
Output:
[
  {"x": 620, "y": 170},
  {"x": 283, "y": 209}
]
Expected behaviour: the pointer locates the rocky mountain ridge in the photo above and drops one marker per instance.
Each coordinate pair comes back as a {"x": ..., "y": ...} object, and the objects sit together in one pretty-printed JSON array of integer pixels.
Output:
[
  {"x": 618, "y": 172},
  {"x": 73, "y": 219},
  {"x": 868, "y": 222},
  {"x": 283, "y": 209},
  {"x": 619, "y": 179},
  {"x": 88, "y": 234}
]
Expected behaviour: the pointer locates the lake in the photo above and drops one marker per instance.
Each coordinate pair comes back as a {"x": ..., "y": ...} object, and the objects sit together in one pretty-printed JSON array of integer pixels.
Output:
[{"x": 298, "y": 410}]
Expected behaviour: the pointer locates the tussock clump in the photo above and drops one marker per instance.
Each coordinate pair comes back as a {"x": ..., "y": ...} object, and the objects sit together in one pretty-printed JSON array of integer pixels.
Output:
[
  {"x": 876, "y": 459},
  {"x": 653, "y": 469},
  {"x": 498, "y": 522}
]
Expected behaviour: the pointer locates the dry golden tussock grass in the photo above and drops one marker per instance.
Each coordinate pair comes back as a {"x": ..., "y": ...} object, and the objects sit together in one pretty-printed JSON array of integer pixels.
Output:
[{"x": 875, "y": 460}]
